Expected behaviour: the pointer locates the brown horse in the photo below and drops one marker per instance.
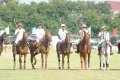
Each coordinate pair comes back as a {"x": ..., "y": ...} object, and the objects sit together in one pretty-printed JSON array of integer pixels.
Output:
[
  {"x": 43, "y": 46},
  {"x": 32, "y": 47},
  {"x": 64, "y": 48},
  {"x": 3, "y": 38},
  {"x": 21, "y": 49},
  {"x": 84, "y": 51}
]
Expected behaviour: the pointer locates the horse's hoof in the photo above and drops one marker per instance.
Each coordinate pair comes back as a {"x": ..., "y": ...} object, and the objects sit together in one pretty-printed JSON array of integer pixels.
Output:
[
  {"x": 111, "y": 53},
  {"x": 35, "y": 63},
  {"x": 33, "y": 68},
  {"x": 68, "y": 67},
  {"x": 107, "y": 69},
  {"x": 103, "y": 69},
  {"x": 118, "y": 52},
  {"x": 59, "y": 68},
  {"x": 77, "y": 52},
  {"x": 88, "y": 68}
]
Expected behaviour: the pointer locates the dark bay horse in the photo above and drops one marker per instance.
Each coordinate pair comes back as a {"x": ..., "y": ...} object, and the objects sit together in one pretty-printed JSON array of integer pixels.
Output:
[
  {"x": 3, "y": 38},
  {"x": 32, "y": 47},
  {"x": 43, "y": 46},
  {"x": 21, "y": 49},
  {"x": 64, "y": 48},
  {"x": 118, "y": 45},
  {"x": 85, "y": 51}
]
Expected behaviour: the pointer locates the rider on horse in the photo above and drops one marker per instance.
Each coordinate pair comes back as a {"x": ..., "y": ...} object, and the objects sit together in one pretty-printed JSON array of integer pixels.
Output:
[
  {"x": 103, "y": 35},
  {"x": 40, "y": 34},
  {"x": 19, "y": 33},
  {"x": 62, "y": 33},
  {"x": 81, "y": 33}
]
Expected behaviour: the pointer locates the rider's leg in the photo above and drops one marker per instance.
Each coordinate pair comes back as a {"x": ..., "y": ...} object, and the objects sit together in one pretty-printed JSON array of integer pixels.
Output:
[{"x": 77, "y": 46}]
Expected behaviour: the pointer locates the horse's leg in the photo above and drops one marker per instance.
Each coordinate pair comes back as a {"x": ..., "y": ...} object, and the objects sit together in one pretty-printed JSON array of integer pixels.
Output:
[
  {"x": 89, "y": 60},
  {"x": 32, "y": 61},
  {"x": 107, "y": 61},
  {"x": 58, "y": 55},
  {"x": 102, "y": 61},
  {"x": 81, "y": 61},
  {"x": 35, "y": 58},
  {"x": 14, "y": 56},
  {"x": 68, "y": 56},
  {"x": 85, "y": 62},
  {"x": 46, "y": 56},
  {"x": 100, "y": 57},
  {"x": 35, "y": 61},
  {"x": 14, "y": 59},
  {"x": 63, "y": 56},
  {"x": 42, "y": 56},
  {"x": 20, "y": 61},
  {"x": 1, "y": 49},
  {"x": 25, "y": 61}
]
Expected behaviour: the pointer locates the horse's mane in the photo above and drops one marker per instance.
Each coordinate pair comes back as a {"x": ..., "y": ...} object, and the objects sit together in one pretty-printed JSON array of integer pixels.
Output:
[
  {"x": 47, "y": 39},
  {"x": 24, "y": 40},
  {"x": 86, "y": 38},
  {"x": 4, "y": 37}
]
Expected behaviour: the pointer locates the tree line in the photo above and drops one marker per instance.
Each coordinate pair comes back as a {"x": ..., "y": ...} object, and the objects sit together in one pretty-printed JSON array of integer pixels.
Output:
[{"x": 55, "y": 12}]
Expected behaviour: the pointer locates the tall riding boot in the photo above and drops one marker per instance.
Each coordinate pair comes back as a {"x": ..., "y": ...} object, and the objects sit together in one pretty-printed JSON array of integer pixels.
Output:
[{"x": 77, "y": 48}]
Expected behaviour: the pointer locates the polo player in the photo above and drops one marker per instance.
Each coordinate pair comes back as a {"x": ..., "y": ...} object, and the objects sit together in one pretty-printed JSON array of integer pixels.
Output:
[
  {"x": 103, "y": 35},
  {"x": 62, "y": 33},
  {"x": 81, "y": 34},
  {"x": 19, "y": 33},
  {"x": 40, "y": 34}
]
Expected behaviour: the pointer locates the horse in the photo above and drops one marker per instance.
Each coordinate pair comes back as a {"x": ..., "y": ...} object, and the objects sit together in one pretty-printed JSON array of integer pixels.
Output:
[
  {"x": 64, "y": 48},
  {"x": 118, "y": 45},
  {"x": 3, "y": 38},
  {"x": 32, "y": 47},
  {"x": 105, "y": 49},
  {"x": 85, "y": 51},
  {"x": 43, "y": 47},
  {"x": 21, "y": 49}
]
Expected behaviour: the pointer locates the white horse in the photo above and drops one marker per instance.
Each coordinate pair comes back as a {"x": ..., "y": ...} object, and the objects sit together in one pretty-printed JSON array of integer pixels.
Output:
[{"x": 104, "y": 54}]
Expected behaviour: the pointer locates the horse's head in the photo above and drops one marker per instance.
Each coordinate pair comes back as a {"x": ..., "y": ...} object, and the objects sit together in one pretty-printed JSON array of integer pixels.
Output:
[
  {"x": 48, "y": 36},
  {"x": 67, "y": 37},
  {"x": 4, "y": 37},
  {"x": 86, "y": 37},
  {"x": 25, "y": 36}
]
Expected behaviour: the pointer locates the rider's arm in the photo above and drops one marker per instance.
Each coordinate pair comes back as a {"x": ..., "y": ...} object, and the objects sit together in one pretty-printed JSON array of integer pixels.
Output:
[
  {"x": 16, "y": 32},
  {"x": 99, "y": 35},
  {"x": 59, "y": 33}
]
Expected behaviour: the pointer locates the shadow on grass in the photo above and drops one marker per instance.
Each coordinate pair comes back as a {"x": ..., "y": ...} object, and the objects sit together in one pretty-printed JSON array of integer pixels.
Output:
[
  {"x": 85, "y": 69},
  {"x": 60, "y": 69}
]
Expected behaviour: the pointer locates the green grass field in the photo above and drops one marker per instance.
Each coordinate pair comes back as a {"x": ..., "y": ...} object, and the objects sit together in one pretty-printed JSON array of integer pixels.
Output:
[{"x": 52, "y": 73}]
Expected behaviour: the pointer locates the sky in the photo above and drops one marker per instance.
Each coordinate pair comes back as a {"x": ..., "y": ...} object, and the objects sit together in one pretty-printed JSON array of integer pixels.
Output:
[{"x": 28, "y": 1}]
